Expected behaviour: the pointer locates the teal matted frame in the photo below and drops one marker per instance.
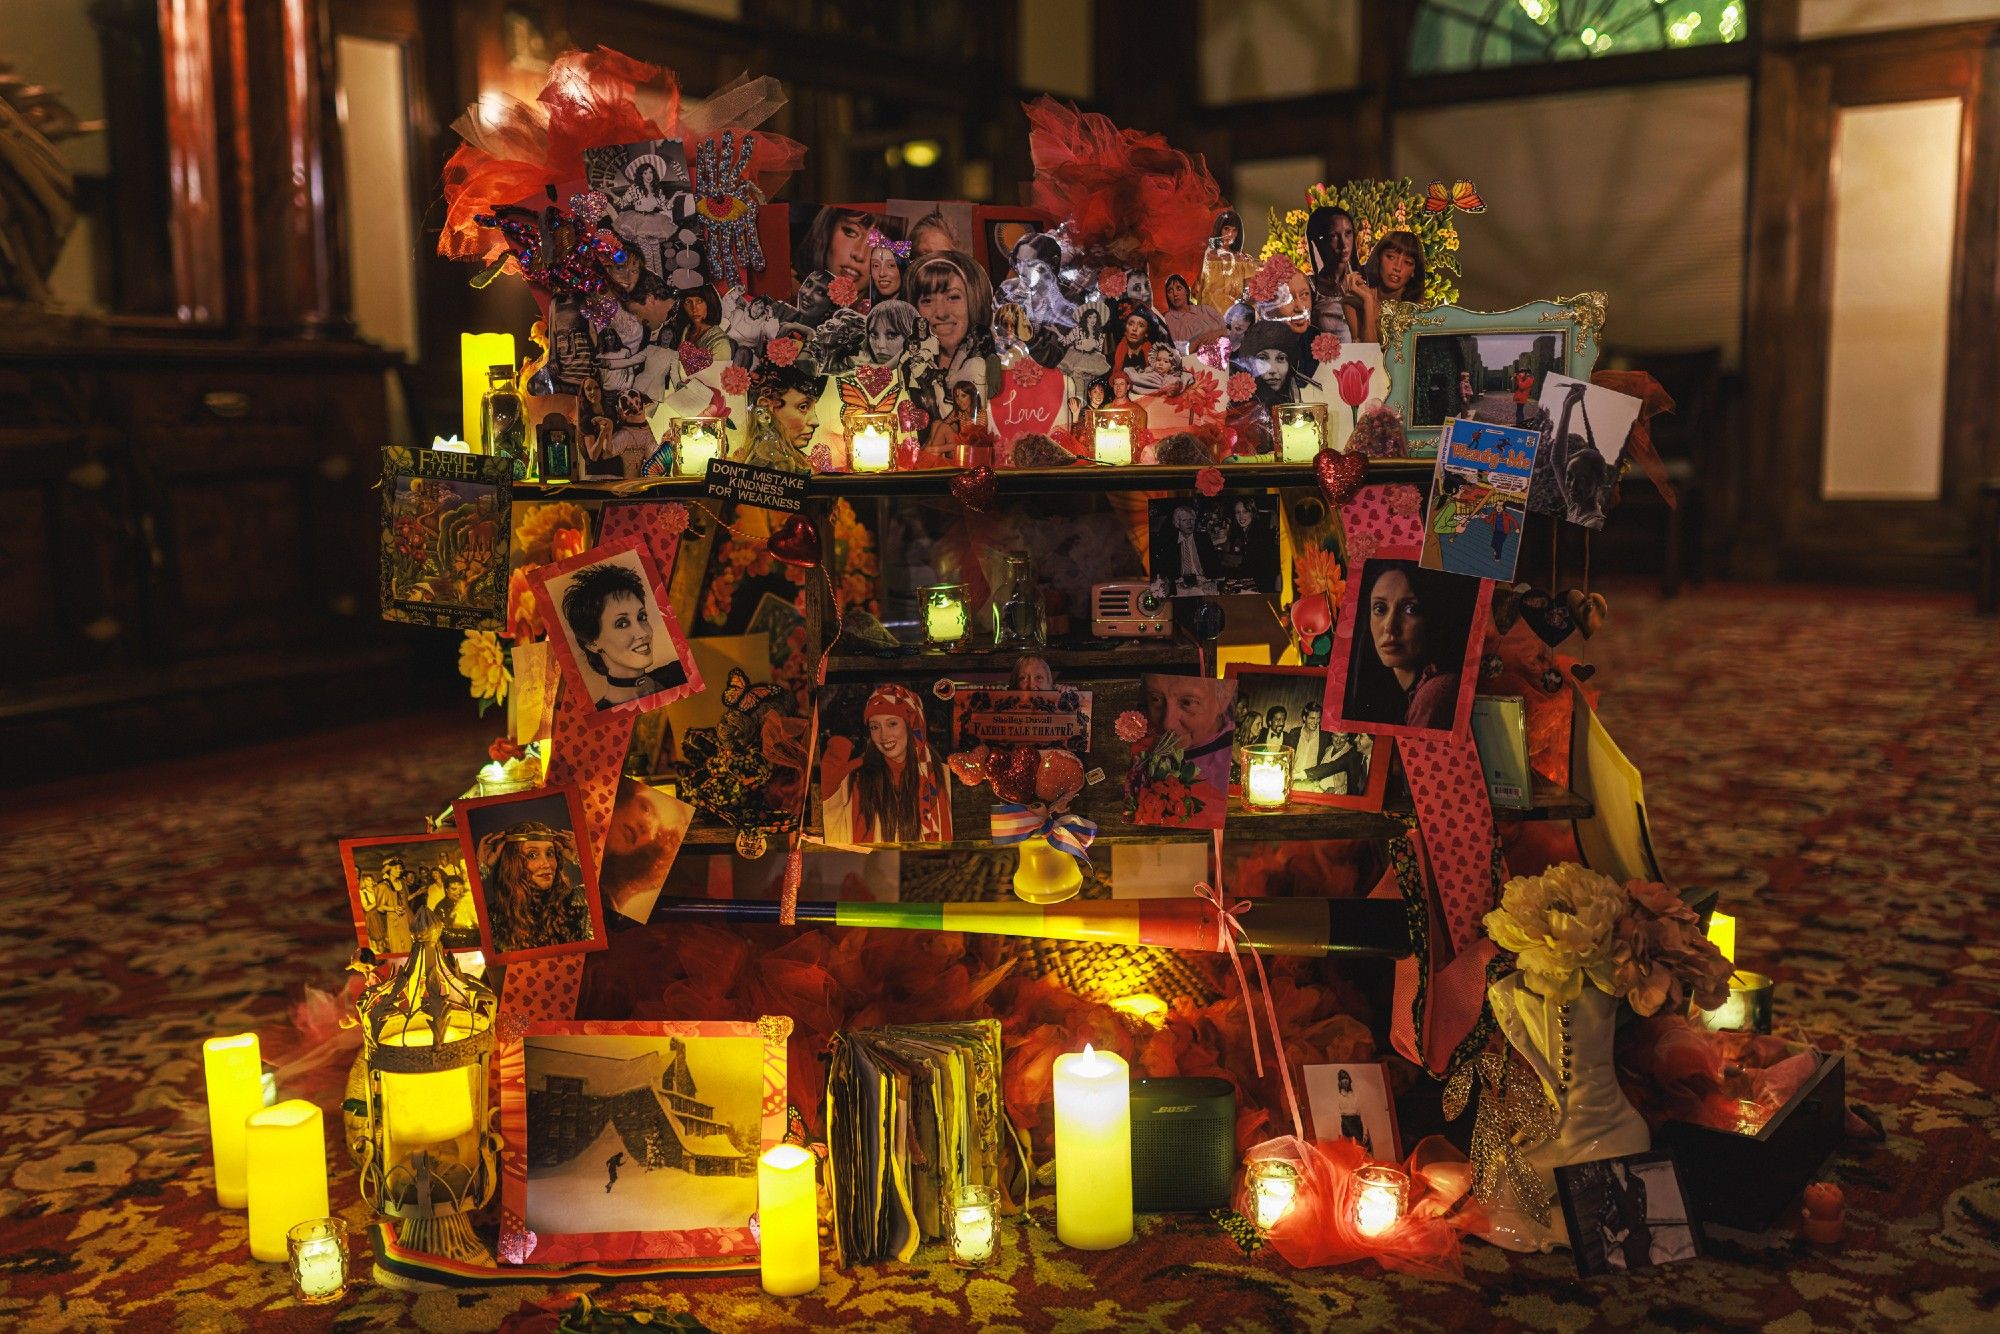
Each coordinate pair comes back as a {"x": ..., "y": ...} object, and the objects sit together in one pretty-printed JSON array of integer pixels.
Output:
[{"x": 1579, "y": 319}]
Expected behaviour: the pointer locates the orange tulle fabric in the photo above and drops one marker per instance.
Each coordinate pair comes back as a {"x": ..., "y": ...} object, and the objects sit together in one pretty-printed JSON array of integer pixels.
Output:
[
  {"x": 1675, "y": 1070},
  {"x": 1129, "y": 197},
  {"x": 592, "y": 99},
  {"x": 1319, "y": 1227}
]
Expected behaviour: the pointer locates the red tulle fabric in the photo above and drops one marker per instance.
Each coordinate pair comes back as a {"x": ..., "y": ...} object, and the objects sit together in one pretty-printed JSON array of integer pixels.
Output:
[
  {"x": 828, "y": 979},
  {"x": 592, "y": 99},
  {"x": 1675, "y": 1070},
  {"x": 1319, "y": 1228},
  {"x": 1128, "y": 196}
]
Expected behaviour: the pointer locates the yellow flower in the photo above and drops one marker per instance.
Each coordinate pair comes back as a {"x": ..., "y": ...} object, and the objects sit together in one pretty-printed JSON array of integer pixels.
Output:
[
  {"x": 1560, "y": 927},
  {"x": 483, "y": 662}
]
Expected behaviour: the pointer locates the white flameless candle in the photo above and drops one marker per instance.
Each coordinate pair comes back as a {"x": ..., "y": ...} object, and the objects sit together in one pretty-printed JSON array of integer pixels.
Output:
[
  {"x": 944, "y": 613},
  {"x": 788, "y": 1221},
  {"x": 1093, "y": 1150},
  {"x": 1299, "y": 441},
  {"x": 974, "y": 1227},
  {"x": 869, "y": 450},
  {"x": 318, "y": 1259},
  {"x": 234, "y": 1069},
  {"x": 1267, "y": 777},
  {"x": 1273, "y": 1187}
]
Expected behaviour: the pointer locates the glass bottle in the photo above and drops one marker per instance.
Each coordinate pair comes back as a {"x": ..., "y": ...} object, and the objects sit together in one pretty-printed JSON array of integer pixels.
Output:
[
  {"x": 503, "y": 426},
  {"x": 555, "y": 440},
  {"x": 1020, "y": 616}
]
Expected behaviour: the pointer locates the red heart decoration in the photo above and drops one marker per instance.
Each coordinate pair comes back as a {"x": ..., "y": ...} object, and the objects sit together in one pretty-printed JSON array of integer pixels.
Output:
[
  {"x": 1014, "y": 774},
  {"x": 969, "y": 766},
  {"x": 975, "y": 488},
  {"x": 796, "y": 542},
  {"x": 1340, "y": 475},
  {"x": 1059, "y": 778}
]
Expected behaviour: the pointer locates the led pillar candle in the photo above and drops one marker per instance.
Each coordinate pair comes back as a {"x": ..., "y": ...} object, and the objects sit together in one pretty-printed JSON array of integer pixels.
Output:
[
  {"x": 697, "y": 443},
  {"x": 868, "y": 451},
  {"x": 1722, "y": 935},
  {"x": 479, "y": 353},
  {"x": 1093, "y": 1150},
  {"x": 318, "y": 1249},
  {"x": 234, "y": 1068},
  {"x": 788, "y": 1221},
  {"x": 285, "y": 1156},
  {"x": 1267, "y": 775},
  {"x": 1379, "y": 1196},
  {"x": 1113, "y": 442},
  {"x": 427, "y": 1111}
]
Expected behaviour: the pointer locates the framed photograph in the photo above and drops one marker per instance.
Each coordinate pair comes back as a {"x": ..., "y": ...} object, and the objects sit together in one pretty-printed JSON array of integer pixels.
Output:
[
  {"x": 1479, "y": 498},
  {"x": 633, "y": 1140},
  {"x": 1180, "y": 769},
  {"x": 386, "y": 875},
  {"x": 1487, "y": 366},
  {"x": 652, "y": 207},
  {"x": 614, "y": 632},
  {"x": 1028, "y": 708},
  {"x": 1627, "y": 1214},
  {"x": 647, "y": 830},
  {"x": 998, "y": 231},
  {"x": 444, "y": 538},
  {"x": 1285, "y": 706},
  {"x": 1354, "y": 1102},
  {"x": 881, "y": 776},
  {"x": 1406, "y": 647},
  {"x": 1583, "y": 431},
  {"x": 536, "y": 892},
  {"x": 1206, "y": 546}
]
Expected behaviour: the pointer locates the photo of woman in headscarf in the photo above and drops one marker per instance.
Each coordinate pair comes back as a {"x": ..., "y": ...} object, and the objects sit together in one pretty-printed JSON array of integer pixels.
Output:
[
  {"x": 955, "y": 300},
  {"x": 1224, "y": 266},
  {"x": 1330, "y": 256},
  {"x": 1394, "y": 272},
  {"x": 1410, "y": 633},
  {"x": 897, "y": 789}
]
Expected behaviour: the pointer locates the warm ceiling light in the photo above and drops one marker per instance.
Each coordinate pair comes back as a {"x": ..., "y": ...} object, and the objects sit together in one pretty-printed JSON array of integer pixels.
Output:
[{"x": 922, "y": 153}]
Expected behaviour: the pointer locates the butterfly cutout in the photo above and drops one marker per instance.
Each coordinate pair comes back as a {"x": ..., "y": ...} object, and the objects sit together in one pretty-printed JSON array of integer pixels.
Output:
[
  {"x": 1462, "y": 196},
  {"x": 857, "y": 396},
  {"x": 743, "y": 697}
]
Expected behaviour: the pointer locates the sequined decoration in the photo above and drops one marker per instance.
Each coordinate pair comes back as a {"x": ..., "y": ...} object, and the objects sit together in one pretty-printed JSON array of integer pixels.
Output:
[
  {"x": 565, "y": 251},
  {"x": 726, "y": 201},
  {"x": 1239, "y": 1229},
  {"x": 1515, "y": 1114}
]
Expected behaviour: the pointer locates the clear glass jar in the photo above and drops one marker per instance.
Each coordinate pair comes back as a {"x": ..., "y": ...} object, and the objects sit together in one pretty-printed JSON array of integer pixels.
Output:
[
  {"x": 1020, "y": 616},
  {"x": 973, "y": 1227}
]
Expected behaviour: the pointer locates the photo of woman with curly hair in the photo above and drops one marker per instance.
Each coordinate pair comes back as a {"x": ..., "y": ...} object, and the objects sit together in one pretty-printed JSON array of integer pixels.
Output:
[
  {"x": 896, "y": 789},
  {"x": 534, "y": 893}
]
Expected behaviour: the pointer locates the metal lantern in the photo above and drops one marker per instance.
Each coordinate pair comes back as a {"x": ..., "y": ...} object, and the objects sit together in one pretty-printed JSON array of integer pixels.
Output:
[{"x": 429, "y": 1156}]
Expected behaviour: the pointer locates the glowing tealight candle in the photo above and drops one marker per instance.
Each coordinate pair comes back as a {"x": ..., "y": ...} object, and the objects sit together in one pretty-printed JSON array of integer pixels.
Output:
[
  {"x": 318, "y": 1259},
  {"x": 975, "y": 1224},
  {"x": 1093, "y": 1150},
  {"x": 285, "y": 1156},
  {"x": 1722, "y": 935},
  {"x": 944, "y": 613},
  {"x": 1748, "y": 1008},
  {"x": 1113, "y": 442},
  {"x": 1378, "y": 1199},
  {"x": 477, "y": 354},
  {"x": 788, "y": 1221},
  {"x": 1267, "y": 778},
  {"x": 234, "y": 1069},
  {"x": 1298, "y": 440},
  {"x": 698, "y": 445},
  {"x": 1273, "y": 1188},
  {"x": 869, "y": 450}
]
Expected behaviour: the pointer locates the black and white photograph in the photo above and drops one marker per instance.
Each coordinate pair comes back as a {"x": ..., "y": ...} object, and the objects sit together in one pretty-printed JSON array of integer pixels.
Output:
[
  {"x": 1584, "y": 428},
  {"x": 618, "y": 640},
  {"x": 634, "y": 1133},
  {"x": 1205, "y": 546},
  {"x": 1354, "y": 1102},
  {"x": 1276, "y": 360},
  {"x": 1627, "y": 1214},
  {"x": 652, "y": 206},
  {"x": 1410, "y": 661},
  {"x": 1285, "y": 706},
  {"x": 1490, "y": 377}
]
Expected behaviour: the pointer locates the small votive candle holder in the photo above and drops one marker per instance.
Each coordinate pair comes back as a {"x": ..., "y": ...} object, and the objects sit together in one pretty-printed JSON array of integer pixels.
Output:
[
  {"x": 871, "y": 439},
  {"x": 316, "y": 1254},
  {"x": 1748, "y": 1009},
  {"x": 974, "y": 1227},
  {"x": 1267, "y": 776},
  {"x": 1112, "y": 431},
  {"x": 1301, "y": 431},
  {"x": 1380, "y": 1195},
  {"x": 697, "y": 443},
  {"x": 946, "y": 618},
  {"x": 1274, "y": 1186}
]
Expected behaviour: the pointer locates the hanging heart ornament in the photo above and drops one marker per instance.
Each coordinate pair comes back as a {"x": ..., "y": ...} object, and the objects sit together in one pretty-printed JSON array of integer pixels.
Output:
[
  {"x": 1586, "y": 610},
  {"x": 975, "y": 488},
  {"x": 1340, "y": 475},
  {"x": 796, "y": 542}
]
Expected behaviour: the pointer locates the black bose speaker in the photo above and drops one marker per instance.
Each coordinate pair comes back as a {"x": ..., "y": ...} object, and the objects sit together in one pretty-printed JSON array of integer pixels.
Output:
[{"x": 1183, "y": 1144}]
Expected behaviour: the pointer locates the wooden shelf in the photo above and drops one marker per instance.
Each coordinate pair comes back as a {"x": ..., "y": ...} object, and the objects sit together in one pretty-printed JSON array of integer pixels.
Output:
[
  {"x": 1078, "y": 478},
  {"x": 1116, "y": 656}
]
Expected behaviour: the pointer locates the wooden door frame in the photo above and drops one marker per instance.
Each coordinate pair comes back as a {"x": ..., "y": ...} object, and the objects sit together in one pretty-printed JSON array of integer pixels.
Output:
[{"x": 1800, "y": 88}]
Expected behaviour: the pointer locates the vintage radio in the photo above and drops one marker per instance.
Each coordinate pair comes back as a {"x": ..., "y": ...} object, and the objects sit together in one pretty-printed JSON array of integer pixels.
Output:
[
  {"x": 1183, "y": 1144},
  {"x": 1129, "y": 611}
]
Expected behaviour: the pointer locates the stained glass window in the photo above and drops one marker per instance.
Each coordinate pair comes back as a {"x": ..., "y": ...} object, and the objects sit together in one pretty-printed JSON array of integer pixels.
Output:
[{"x": 1451, "y": 36}]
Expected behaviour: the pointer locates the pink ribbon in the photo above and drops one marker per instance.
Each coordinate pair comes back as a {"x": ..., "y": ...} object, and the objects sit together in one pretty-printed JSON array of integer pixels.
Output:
[{"x": 1228, "y": 926}]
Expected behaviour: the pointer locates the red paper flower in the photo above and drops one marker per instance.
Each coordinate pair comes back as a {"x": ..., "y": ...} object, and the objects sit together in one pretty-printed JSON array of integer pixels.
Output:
[
  {"x": 1360, "y": 546},
  {"x": 842, "y": 291},
  {"x": 1112, "y": 282},
  {"x": 735, "y": 381},
  {"x": 1131, "y": 725},
  {"x": 1208, "y": 481},
  {"x": 1262, "y": 287},
  {"x": 695, "y": 359},
  {"x": 566, "y": 542},
  {"x": 911, "y": 417},
  {"x": 1325, "y": 347},
  {"x": 782, "y": 351},
  {"x": 1241, "y": 386},
  {"x": 1352, "y": 378},
  {"x": 504, "y": 748},
  {"x": 1405, "y": 500},
  {"x": 675, "y": 519},
  {"x": 1026, "y": 373}
]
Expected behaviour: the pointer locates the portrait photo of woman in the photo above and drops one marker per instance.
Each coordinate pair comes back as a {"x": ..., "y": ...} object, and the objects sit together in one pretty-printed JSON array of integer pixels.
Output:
[
  {"x": 893, "y": 329},
  {"x": 960, "y": 429},
  {"x": 1224, "y": 266},
  {"x": 1188, "y": 323},
  {"x": 623, "y": 648},
  {"x": 700, "y": 324},
  {"x": 1330, "y": 256},
  {"x": 1394, "y": 272},
  {"x": 954, "y": 298},
  {"x": 1275, "y": 359},
  {"x": 836, "y": 243},
  {"x": 1411, "y": 633},
  {"x": 887, "y": 785},
  {"x": 934, "y": 234},
  {"x": 885, "y": 275}
]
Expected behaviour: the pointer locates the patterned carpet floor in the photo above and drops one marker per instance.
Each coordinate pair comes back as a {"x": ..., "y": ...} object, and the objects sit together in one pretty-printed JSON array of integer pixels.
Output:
[{"x": 1829, "y": 760}]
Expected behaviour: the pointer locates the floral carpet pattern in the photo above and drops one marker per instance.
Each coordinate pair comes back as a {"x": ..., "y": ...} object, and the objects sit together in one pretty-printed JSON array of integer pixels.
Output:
[{"x": 1830, "y": 762}]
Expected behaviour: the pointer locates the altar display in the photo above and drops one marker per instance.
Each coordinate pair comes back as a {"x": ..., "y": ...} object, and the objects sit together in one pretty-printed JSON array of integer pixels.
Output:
[{"x": 860, "y": 577}]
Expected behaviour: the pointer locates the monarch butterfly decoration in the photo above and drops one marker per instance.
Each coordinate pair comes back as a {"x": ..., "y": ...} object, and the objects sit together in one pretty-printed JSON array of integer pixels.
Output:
[{"x": 1462, "y": 196}]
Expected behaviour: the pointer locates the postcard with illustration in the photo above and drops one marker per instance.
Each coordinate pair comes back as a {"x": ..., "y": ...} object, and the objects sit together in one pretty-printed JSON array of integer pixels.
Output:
[
  {"x": 444, "y": 538},
  {"x": 1479, "y": 498}
]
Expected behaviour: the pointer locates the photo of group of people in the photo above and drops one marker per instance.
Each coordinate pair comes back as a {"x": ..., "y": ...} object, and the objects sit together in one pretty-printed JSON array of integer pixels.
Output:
[
  {"x": 1203, "y": 546},
  {"x": 1286, "y": 706},
  {"x": 389, "y": 879}
]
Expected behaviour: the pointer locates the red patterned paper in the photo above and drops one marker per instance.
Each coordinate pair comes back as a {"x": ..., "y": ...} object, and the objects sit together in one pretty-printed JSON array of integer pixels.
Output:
[{"x": 539, "y": 991}]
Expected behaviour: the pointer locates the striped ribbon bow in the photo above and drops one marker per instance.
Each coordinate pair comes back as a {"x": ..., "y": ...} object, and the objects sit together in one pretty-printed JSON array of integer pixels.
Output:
[{"x": 1067, "y": 832}]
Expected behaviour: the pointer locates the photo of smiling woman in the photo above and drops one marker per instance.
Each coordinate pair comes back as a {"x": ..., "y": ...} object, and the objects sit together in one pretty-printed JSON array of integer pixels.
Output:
[
  {"x": 896, "y": 790},
  {"x": 1411, "y": 632},
  {"x": 1394, "y": 272},
  {"x": 619, "y": 644},
  {"x": 954, "y": 297},
  {"x": 836, "y": 242}
]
